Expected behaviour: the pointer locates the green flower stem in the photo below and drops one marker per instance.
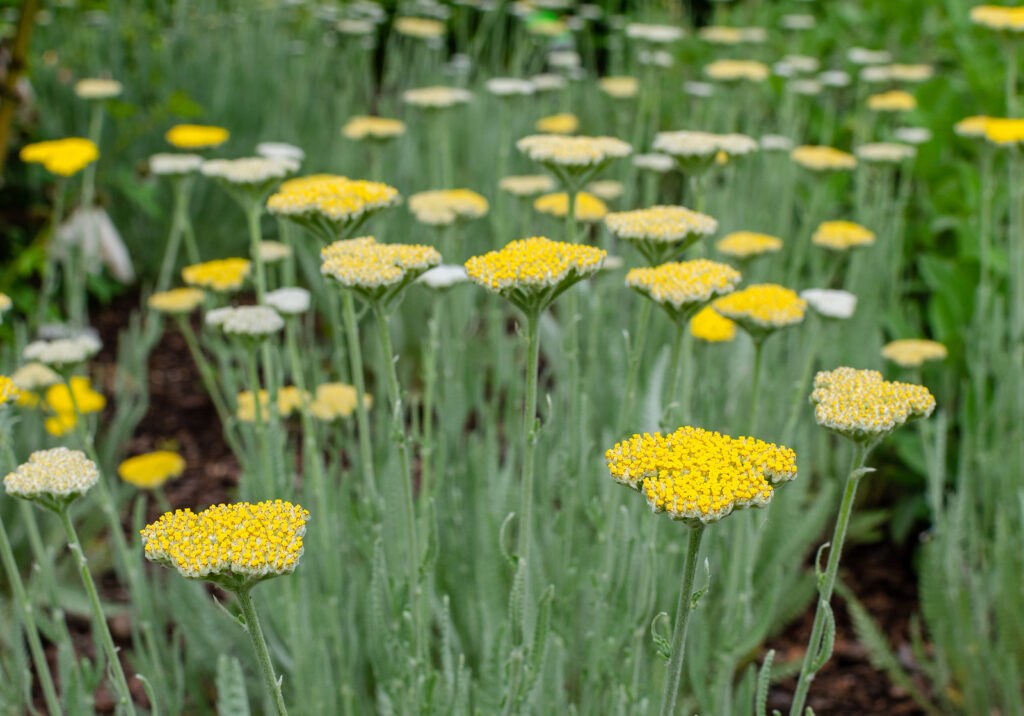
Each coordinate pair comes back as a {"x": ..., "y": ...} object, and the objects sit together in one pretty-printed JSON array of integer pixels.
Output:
[
  {"x": 683, "y": 609},
  {"x": 755, "y": 388},
  {"x": 355, "y": 355},
  {"x": 253, "y": 210},
  {"x": 29, "y": 622},
  {"x": 529, "y": 445},
  {"x": 206, "y": 374},
  {"x": 261, "y": 427},
  {"x": 801, "y": 391},
  {"x": 120, "y": 683},
  {"x": 572, "y": 350},
  {"x": 400, "y": 437},
  {"x": 49, "y": 279},
  {"x": 427, "y": 446},
  {"x": 635, "y": 353},
  {"x": 259, "y": 644},
  {"x": 89, "y": 174},
  {"x": 673, "y": 374},
  {"x": 827, "y": 581},
  {"x": 179, "y": 218}
]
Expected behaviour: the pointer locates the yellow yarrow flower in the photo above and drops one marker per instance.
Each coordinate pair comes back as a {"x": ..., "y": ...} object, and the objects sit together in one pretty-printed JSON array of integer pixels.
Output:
[
  {"x": 564, "y": 123},
  {"x": 708, "y": 325},
  {"x": 588, "y": 207},
  {"x": 196, "y": 136},
  {"x": 762, "y": 308},
  {"x": 842, "y": 235},
  {"x": 892, "y": 101},
  {"x": 177, "y": 300},
  {"x": 152, "y": 469},
  {"x": 289, "y": 399},
  {"x": 232, "y": 545},
  {"x": 378, "y": 128},
  {"x": 661, "y": 224},
  {"x": 330, "y": 205},
  {"x": 973, "y": 126},
  {"x": 446, "y": 206},
  {"x": 682, "y": 287},
  {"x": 419, "y": 27},
  {"x": 220, "y": 275},
  {"x": 373, "y": 268},
  {"x": 820, "y": 158},
  {"x": 736, "y": 71},
  {"x": 860, "y": 405},
  {"x": 999, "y": 17},
  {"x": 747, "y": 244},
  {"x": 336, "y": 400},
  {"x": 58, "y": 400},
  {"x": 63, "y": 157},
  {"x": 700, "y": 476},
  {"x": 913, "y": 352},
  {"x": 1004, "y": 131},
  {"x": 619, "y": 87},
  {"x": 8, "y": 391}
]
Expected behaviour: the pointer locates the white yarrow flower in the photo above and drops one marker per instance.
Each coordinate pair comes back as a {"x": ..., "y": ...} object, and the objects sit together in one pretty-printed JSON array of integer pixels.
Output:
[
  {"x": 830, "y": 303},
  {"x": 166, "y": 164},
  {"x": 252, "y": 321},
  {"x": 444, "y": 276},
  {"x": 288, "y": 301}
]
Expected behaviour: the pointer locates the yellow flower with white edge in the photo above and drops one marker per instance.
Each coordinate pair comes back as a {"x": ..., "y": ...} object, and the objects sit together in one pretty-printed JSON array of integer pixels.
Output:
[
  {"x": 62, "y": 157},
  {"x": 572, "y": 153},
  {"x": 709, "y": 326},
  {"x": 661, "y": 225},
  {"x": 588, "y": 207},
  {"x": 330, "y": 205},
  {"x": 699, "y": 476},
  {"x": 892, "y": 101},
  {"x": 376, "y": 269},
  {"x": 53, "y": 477},
  {"x": 177, "y": 301},
  {"x": 860, "y": 405},
  {"x": 220, "y": 275},
  {"x": 747, "y": 244},
  {"x": 196, "y": 136},
  {"x": 913, "y": 352},
  {"x": 152, "y": 469},
  {"x": 683, "y": 287},
  {"x": 562, "y": 123},
  {"x": 821, "y": 158},
  {"x": 842, "y": 235},
  {"x": 446, "y": 206}
]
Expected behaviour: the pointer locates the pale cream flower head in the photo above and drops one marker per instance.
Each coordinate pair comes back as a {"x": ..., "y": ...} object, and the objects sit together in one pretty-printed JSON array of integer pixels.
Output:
[
  {"x": 98, "y": 88},
  {"x": 53, "y": 477}
]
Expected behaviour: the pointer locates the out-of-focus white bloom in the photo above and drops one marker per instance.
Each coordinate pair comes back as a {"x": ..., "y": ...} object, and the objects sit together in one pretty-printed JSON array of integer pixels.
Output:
[
  {"x": 444, "y": 276},
  {"x": 658, "y": 58},
  {"x": 509, "y": 87},
  {"x": 527, "y": 185},
  {"x": 273, "y": 251},
  {"x": 248, "y": 170},
  {"x": 251, "y": 321},
  {"x": 776, "y": 143},
  {"x": 914, "y": 135},
  {"x": 863, "y": 56},
  {"x": 655, "y": 34},
  {"x": 572, "y": 151},
  {"x": 98, "y": 88},
  {"x": 548, "y": 82},
  {"x": 654, "y": 162},
  {"x": 288, "y": 301},
  {"x": 830, "y": 303},
  {"x": 564, "y": 59},
  {"x": 911, "y": 73},
  {"x": 698, "y": 89},
  {"x": 834, "y": 78},
  {"x": 437, "y": 97},
  {"x": 875, "y": 74},
  {"x": 885, "y": 152},
  {"x": 100, "y": 243},
  {"x": 805, "y": 88},
  {"x": 607, "y": 189},
  {"x": 34, "y": 376},
  {"x": 174, "y": 164},
  {"x": 589, "y": 11},
  {"x": 280, "y": 150},
  {"x": 63, "y": 351},
  {"x": 350, "y": 26},
  {"x": 791, "y": 65},
  {"x": 215, "y": 317},
  {"x": 797, "y": 21}
]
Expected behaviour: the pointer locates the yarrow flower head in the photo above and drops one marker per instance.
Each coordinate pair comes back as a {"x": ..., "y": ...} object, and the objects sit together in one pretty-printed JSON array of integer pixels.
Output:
[
  {"x": 444, "y": 276},
  {"x": 96, "y": 88},
  {"x": 606, "y": 189},
  {"x": 892, "y": 101},
  {"x": 331, "y": 205},
  {"x": 374, "y": 128},
  {"x": 196, "y": 136},
  {"x": 61, "y": 352},
  {"x": 736, "y": 71},
  {"x": 289, "y": 399},
  {"x": 587, "y": 207},
  {"x": 446, "y": 206},
  {"x": 747, "y": 244},
  {"x": 273, "y": 251},
  {"x": 252, "y": 176},
  {"x": 438, "y": 97},
  {"x": 681, "y": 288},
  {"x": 709, "y": 326},
  {"x": 1004, "y": 132},
  {"x": 842, "y": 235},
  {"x": 289, "y": 301},
  {"x": 532, "y": 272},
  {"x": 333, "y": 401},
  {"x": 973, "y": 126},
  {"x": 376, "y": 271},
  {"x": 280, "y": 150},
  {"x": 723, "y": 35},
  {"x": 697, "y": 151},
  {"x": 527, "y": 185},
  {"x": 619, "y": 87},
  {"x": 220, "y": 275},
  {"x": 151, "y": 470},
  {"x": 234, "y": 546},
  {"x": 699, "y": 476},
  {"x": 34, "y": 376},
  {"x": 762, "y": 308},
  {"x": 177, "y": 301},
  {"x": 820, "y": 158},
  {"x": 661, "y": 233},
  {"x": 653, "y": 34},
  {"x": 654, "y": 162},
  {"x": 829, "y": 303},
  {"x": 250, "y": 321},
  {"x": 863, "y": 407},
  {"x": 574, "y": 160},
  {"x": 509, "y": 87},
  {"x": 174, "y": 165},
  {"x": 65, "y": 405},
  {"x": 885, "y": 152},
  {"x": 913, "y": 352},
  {"x": 62, "y": 157},
  {"x": 8, "y": 390},
  {"x": 53, "y": 477},
  {"x": 421, "y": 28},
  {"x": 999, "y": 18}
]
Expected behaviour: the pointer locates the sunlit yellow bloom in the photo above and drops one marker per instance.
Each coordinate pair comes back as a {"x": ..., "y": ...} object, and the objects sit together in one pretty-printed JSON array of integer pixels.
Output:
[
  {"x": 842, "y": 235},
  {"x": 364, "y": 264},
  {"x": 1004, "y": 131},
  {"x": 58, "y": 400},
  {"x": 336, "y": 400},
  {"x": 700, "y": 476},
  {"x": 533, "y": 265},
  {"x": 862, "y": 406},
  {"x": 563, "y": 123},
  {"x": 289, "y": 399},
  {"x": 196, "y": 136},
  {"x": 177, "y": 300},
  {"x": 708, "y": 325},
  {"x": 913, "y": 352},
  {"x": 219, "y": 275},
  {"x": 684, "y": 285},
  {"x": 971, "y": 126},
  {"x": 362, "y": 127},
  {"x": 97, "y": 88},
  {"x": 661, "y": 232},
  {"x": 63, "y": 157},
  {"x": 619, "y": 87},
  {"x": 446, "y": 206},
  {"x": 762, "y": 307},
  {"x": 892, "y": 101},
  {"x": 747, "y": 244},
  {"x": 736, "y": 70},
  {"x": 336, "y": 201},
  {"x": 152, "y": 469},
  {"x": 236, "y": 545},
  {"x": 999, "y": 17},
  {"x": 8, "y": 390},
  {"x": 820, "y": 158},
  {"x": 527, "y": 185},
  {"x": 588, "y": 207},
  {"x": 419, "y": 27}
]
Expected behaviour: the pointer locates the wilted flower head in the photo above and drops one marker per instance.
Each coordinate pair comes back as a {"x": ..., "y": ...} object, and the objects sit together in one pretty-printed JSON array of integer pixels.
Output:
[
  {"x": 62, "y": 157},
  {"x": 913, "y": 352},
  {"x": 174, "y": 164},
  {"x": 736, "y": 71},
  {"x": 419, "y": 27},
  {"x": 446, "y": 206},
  {"x": 330, "y": 205},
  {"x": 762, "y": 308},
  {"x": 336, "y": 400},
  {"x": 53, "y": 477},
  {"x": 98, "y": 88},
  {"x": 220, "y": 275},
  {"x": 830, "y": 303},
  {"x": 288, "y": 301},
  {"x": 885, "y": 152},
  {"x": 152, "y": 469},
  {"x": 376, "y": 269},
  {"x": 196, "y": 136},
  {"x": 438, "y": 97},
  {"x": 709, "y": 326},
  {"x": 892, "y": 101},
  {"x": 861, "y": 406},
  {"x": 842, "y": 235},
  {"x": 700, "y": 476},
  {"x": 280, "y": 150},
  {"x": 63, "y": 351},
  {"x": 682, "y": 287},
  {"x": 587, "y": 206},
  {"x": 363, "y": 127},
  {"x": 654, "y": 162},
  {"x": 249, "y": 171},
  {"x": 819, "y": 158},
  {"x": 232, "y": 545},
  {"x": 509, "y": 87},
  {"x": 619, "y": 87},
  {"x": 532, "y": 272},
  {"x": 722, "y": 35},
  {"x": 747, "y": 244},
  {"x": 563, "y": 123},
  {"x": 250, "y": 321},
  {"x": 177, "y": 300},
  {"x": 654, "y": 34}
]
